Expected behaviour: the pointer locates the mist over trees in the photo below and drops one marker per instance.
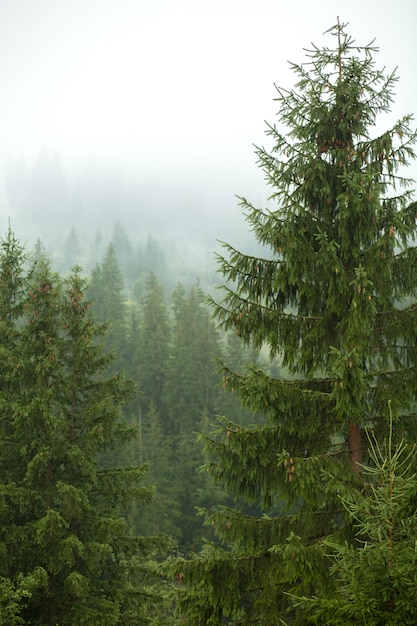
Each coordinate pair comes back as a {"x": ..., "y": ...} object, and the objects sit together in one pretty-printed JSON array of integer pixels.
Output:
[
  {"x": 49, "y": 197},
  {"x": 160, "y": 226},
  {"x": 171, "y": 453}
]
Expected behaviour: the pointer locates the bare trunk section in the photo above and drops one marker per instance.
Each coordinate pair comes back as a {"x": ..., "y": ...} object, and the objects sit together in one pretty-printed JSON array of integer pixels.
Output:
[{"x": 355, "y": 448}]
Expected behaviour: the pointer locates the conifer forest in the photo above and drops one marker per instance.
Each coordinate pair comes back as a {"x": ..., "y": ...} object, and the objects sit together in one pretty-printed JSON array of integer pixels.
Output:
[{"x": 231, "y": 441}]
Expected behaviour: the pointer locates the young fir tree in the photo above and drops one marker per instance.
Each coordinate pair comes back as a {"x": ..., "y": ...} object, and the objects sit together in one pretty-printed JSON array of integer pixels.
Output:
[
  {"x": 374, "y": 578},
  {"x": 64, "y": 537},
  {"x": 332, "y": 299},
  {"x": 163, "y": 515}
]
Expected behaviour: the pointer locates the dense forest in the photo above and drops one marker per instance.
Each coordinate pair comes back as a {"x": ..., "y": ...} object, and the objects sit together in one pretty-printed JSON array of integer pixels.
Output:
[
  {"x": 155, "y": 349},
  {"x": 162, "y": 337},
  {"x": 174, "y": 454}
]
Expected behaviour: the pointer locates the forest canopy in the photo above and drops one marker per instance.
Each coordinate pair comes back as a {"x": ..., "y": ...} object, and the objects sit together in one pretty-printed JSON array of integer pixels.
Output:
[{"x": 169, "y": 457}]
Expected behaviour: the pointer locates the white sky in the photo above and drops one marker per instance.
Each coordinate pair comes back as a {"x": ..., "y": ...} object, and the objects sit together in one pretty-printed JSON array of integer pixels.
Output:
[{"x": 163, "y": 83}]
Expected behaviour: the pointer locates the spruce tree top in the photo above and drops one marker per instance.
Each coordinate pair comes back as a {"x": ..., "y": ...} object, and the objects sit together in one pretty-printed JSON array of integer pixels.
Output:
[
  {"x": 334, "y": 294},
  {"x": 342, "y": 265}
]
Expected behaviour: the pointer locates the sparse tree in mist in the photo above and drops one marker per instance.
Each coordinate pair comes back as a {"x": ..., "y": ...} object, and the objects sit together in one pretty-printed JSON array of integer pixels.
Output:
[
  {"x": 122, "y": 247},
  {"x": 38, "y": 195},
  {"x": 190, "y": 394},
  {"x": 335, "y": 299},
  {"x": 106, "y": 291},
  {"x": 153, "y": 349},
  {"x": 72, "y": 250}
]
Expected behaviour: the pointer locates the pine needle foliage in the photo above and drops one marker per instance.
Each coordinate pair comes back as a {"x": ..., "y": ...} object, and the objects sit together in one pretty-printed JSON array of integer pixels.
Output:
[
  {"x": 66, "y": 553},
  {"x": 374, "y": 578},
  {"x": 333, "y": 296}
]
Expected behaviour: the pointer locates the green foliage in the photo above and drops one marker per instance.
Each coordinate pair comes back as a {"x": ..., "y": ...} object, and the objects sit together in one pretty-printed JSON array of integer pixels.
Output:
[
  {"x": 168, "y": 351},
  {"x": 169, "y": 354},
  {"x": 106, "y": 292},
  {"x": 153, "y": 348},
  {"x": 163, "y": 512},
  {"x": 67, "y": 556},
  {"x": 13, "y": 599},
  {"x": 191, "y": 397},
  {"x": 191, "y": 377},
  {"x": 328, "y": 300},
  {"x": 373, "y": 579}
]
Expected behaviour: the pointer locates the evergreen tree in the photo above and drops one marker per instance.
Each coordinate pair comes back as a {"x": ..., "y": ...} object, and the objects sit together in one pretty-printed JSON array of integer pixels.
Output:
[
  {"x": 191, "y": 393},
  {"x": 162, "y": 516},
  {"x": 330, "y": 301},
  {"x": 13, "y": 600},
  {"x": 65, "y": 543},
  {"x": 106, "y": 290},
  {"x": 123, "y": 250},
  {"x": 374, "y": 578},
  {"x": 95, "y": 250},
  {"x": 72, "y": 250},
  {"x": 39, "y": 251},
  {"x": 153, "y": 257},
  {"x": 191, "y": 384},
  {"x": 13, "y": 593},
  {"x": 153, "y": 350},
  {"x": 239, "y": 357}
]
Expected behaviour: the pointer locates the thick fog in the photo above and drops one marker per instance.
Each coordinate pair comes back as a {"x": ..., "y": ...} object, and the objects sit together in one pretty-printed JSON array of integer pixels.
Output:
[{"x": 145, "y": 111}]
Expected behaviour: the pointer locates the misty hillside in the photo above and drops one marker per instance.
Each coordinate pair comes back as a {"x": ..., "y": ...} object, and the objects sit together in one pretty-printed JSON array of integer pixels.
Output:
[{"x": 76, "y": 214}]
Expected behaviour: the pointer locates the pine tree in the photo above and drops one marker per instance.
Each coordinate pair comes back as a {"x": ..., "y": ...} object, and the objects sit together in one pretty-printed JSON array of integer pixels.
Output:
[
  {"x": 72, "y": 251},
  {"x": 239, "y": 358},
  {"x": 335, "y": 300},
  {"x": 162, "y": 516},
  {"x": 122, "y": 247},
  {"x": 65, "y": 542}
]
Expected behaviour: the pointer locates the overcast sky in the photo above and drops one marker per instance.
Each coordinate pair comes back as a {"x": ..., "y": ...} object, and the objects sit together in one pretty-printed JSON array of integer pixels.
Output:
[{"x": 172, "y": 84}]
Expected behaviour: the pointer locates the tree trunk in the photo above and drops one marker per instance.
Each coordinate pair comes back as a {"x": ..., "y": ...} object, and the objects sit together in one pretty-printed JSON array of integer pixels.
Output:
[{"x": 355, "y": 448}]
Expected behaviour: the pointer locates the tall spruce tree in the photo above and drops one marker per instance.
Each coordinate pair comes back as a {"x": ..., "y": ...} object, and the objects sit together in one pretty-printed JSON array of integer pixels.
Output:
[
  {"x": 65, "y": 544},
  {"x": 335, "y": 300}
]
